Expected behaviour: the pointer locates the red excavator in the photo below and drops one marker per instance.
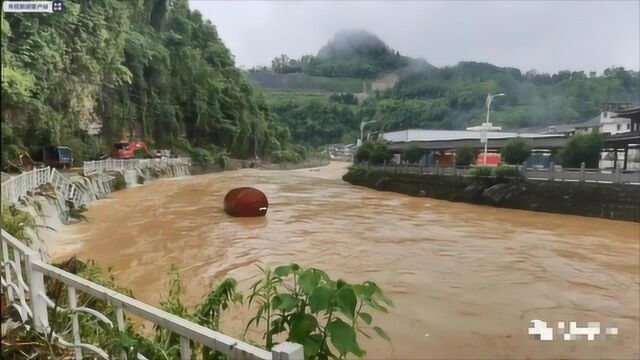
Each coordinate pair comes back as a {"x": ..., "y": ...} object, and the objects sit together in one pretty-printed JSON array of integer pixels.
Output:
[{"x": 129, "y": 149}]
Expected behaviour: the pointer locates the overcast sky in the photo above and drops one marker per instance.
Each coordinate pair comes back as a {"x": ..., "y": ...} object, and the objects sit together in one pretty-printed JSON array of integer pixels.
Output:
[{"x": 547, "y": 36}]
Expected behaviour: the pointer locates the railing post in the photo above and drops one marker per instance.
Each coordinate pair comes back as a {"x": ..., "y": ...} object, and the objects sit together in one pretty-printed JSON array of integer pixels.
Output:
[
  {"x": 551, "y": 173},
  {"x": 36, "y": 289},
  {"x": 287, "y": 351},
  {"x": 395, "y": 169},
  {"x": 582, "y": 172},
  {"x": 121, "y": 328},
  {"x": 185, "y": 348},
  {"x": 75, "y": 327},
  {"x": 7, "y": 270},
  {"x": 384, "y": 166},
  {"x": 618, "y": 175},
  {"x": 437, "y": 167},
  {"x": 16, "y": 259}
]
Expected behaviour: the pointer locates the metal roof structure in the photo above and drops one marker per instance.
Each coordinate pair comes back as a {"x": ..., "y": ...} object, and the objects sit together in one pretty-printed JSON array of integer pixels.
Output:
[
  {"x": 439, "y": 135},
  {"x": 452, "y": 139}
]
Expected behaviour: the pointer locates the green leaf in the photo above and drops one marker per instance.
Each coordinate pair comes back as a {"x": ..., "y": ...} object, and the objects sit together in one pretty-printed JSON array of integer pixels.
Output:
[
  {"x": 285, "y": 270},
  {"x": 346, "y": 300},
  {"x": 342, "y": 336},
  {"x": 382, "y": 333},
  {"x": 341, "y": 283},
  {"x": 364, "y": 333},
  {"x": 311, "y": 344},
  {"x": 320, "y": 298},
  {"x": 357, "y": 351},
  {"x": 284, "y": 302},
  {"x": 366, "y": 317},
  {"x": 259, "y": 315},
  {"x": 308, "y": 280},
  {"x": 301, "y": 325}
]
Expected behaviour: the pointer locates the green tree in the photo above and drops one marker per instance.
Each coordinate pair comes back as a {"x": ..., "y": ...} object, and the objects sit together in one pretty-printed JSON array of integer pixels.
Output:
[
  {"x": 465, "y": 156},
  {"x": 516, "y": 152},
  {"x": 582, "y": 148},
  {"x": 148, "y": 69},
  {"x": 413, "y": 153},
  {"x": 365, "y": 150},
  {"x": 379, "y": 154}
]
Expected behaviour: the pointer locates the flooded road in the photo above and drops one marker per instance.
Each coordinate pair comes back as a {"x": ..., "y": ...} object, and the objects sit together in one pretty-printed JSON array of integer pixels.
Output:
[{"x": 466, "y": 280}]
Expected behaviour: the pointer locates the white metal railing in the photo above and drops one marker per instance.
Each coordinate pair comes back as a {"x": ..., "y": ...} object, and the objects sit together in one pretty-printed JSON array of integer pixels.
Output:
[
  {"x": 20, "y": 185},
  {"x": 90, "y": 167},
  {"x": 553, "y": 173},
  {"x": 15, "y": 287}
]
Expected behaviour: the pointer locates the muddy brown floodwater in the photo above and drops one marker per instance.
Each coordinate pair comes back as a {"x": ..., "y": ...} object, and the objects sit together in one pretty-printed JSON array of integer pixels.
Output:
[{"x": 466, "y": 280}]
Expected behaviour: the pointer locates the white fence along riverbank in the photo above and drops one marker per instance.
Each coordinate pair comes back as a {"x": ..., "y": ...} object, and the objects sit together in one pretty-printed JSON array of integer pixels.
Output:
[
  {"x": 20, "y": 185},
  {"x": 582, "y": 174},
  {"x": 18, "y": 260},
  {"x": 90, "y": 167}
]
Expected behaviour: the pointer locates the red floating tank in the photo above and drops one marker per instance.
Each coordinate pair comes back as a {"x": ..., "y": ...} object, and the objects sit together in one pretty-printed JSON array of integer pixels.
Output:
[{"x": 245, "y": 202}]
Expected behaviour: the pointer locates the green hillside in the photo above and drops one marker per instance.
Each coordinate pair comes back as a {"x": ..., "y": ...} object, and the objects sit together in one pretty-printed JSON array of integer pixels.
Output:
[
  {"x": 152, "y": 69},
  {"x": 272, "y": 81},
  {"x": 451, "y": 97}
]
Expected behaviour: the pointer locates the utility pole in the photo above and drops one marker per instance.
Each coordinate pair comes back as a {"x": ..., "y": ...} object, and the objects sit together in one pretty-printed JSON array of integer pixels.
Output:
[{"x": 255, "y": 141}]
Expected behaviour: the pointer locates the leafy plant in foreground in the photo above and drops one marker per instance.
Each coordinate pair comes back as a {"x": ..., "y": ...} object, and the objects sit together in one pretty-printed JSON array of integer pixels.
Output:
[{"x": 309, "y": 308}]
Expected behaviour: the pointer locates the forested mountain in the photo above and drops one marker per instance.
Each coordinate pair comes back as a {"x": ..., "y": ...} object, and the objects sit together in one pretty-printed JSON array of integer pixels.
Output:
[
  {"x": 453, "y": 97},
  {"x": 351, "y": 53},
  {"x": 151, "y": 68}
]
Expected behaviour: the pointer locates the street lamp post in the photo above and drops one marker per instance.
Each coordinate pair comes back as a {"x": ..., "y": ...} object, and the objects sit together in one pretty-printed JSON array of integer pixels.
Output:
[
  {"x": 486, "y": 126},
  {"x": 362, "y": 125}
]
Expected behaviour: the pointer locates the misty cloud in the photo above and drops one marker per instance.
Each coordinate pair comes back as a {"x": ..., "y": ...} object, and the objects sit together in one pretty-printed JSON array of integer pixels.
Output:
[{"x": 546, "y": 36}]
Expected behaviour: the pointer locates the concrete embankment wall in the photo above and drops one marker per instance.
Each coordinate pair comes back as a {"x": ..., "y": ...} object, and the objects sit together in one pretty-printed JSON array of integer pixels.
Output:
[{"x": 609, "y": 201}]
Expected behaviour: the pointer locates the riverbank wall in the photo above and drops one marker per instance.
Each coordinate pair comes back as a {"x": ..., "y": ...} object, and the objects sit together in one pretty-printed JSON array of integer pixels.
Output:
[{"x": 608, "y": 201}]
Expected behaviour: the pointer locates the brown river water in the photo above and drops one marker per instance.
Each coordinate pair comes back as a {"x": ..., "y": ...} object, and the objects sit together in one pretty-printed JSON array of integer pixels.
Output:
[{"x": 466, "y": 280}]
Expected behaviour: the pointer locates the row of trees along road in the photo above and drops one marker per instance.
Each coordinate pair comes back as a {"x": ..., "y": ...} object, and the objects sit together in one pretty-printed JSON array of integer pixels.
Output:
[{"x": 580, "y": 148}]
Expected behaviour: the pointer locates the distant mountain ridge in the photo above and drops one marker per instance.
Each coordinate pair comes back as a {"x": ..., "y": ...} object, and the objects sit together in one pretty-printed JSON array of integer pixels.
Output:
[
  {"x": 410, "y": 93},
  {"x": 350, "y": 53}
]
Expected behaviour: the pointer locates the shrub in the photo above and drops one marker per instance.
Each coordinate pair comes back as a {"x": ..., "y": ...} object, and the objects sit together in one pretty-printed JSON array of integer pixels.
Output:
[
  {"x": 516, "y": 152},
  {"x": 309, "y": 308},
  {"x": 582, "y": 148},
  {"x": 505, "y": 172},
  {"x": 201, "y": 157},
  {"x": 285, "y": 156},
  {"x": 223, "y": 161},
  {"x": 364, "y": 151},
  {"x": 379, "y": 154},
  {"x": 300, "y": 150},
  {"x": 481, "y": 171},
  {"x": 413, "y": 153},
  {"x": 465, "y": 156}
]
